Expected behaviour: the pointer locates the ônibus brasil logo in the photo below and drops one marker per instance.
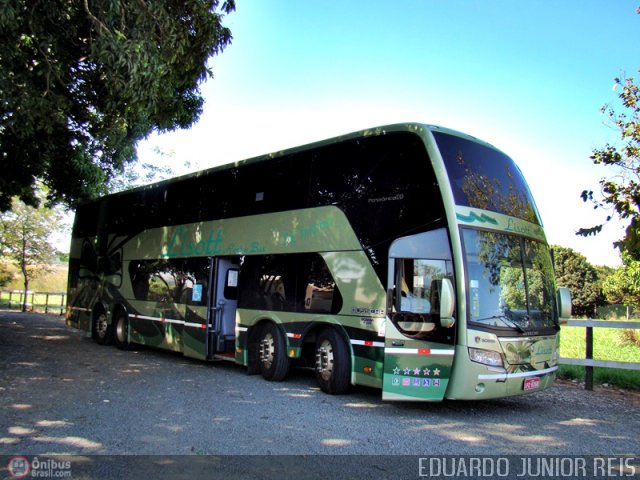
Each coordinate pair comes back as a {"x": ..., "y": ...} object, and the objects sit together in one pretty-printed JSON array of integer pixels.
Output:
[{"x": 19, "y": 467}]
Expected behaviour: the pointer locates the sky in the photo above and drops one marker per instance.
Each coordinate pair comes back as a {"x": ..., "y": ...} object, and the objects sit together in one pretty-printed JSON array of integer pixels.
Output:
[{"x": 527, "y": 76}]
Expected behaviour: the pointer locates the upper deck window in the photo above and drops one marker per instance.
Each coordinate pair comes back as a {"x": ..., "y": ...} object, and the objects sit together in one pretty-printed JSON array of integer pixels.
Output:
[{"x": 482, "y": 177}]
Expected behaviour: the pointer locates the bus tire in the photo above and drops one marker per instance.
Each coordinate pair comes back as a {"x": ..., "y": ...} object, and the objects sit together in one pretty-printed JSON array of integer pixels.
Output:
[
  {"x": 121, "y": 331},
  {"x": 101, "y": 330},
  {"x": 272, "y": 355},
  {"x": 333, "y": 362}
]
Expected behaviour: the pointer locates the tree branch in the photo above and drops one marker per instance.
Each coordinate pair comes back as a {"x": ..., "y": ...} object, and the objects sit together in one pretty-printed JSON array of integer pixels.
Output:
[{"x": 95, "y": 19}]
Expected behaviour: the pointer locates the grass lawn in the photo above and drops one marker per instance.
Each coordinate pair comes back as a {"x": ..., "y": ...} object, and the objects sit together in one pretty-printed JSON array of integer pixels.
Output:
[{"x": 614, "y": 344}]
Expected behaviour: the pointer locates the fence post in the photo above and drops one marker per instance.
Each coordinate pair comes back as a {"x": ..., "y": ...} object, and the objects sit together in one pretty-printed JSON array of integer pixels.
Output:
[
  {"x": 588, "y": 373},
  {"x": 46, "y": 303},
  {"x": 62, "y": 304}
]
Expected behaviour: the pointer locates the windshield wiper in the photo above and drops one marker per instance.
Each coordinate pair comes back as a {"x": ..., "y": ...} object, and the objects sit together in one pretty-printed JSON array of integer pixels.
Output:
[{"x": 505, "y": 319}]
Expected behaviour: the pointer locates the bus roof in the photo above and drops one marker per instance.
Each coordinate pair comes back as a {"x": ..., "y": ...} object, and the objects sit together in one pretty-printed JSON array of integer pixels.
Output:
[{"x": 418, "y": 128}]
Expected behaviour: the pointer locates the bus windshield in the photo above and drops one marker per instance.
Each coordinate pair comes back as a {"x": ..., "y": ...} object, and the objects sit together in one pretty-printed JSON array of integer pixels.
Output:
[
  {"x": 511, "y": 282},
  {"x": 482, "y": 177}
]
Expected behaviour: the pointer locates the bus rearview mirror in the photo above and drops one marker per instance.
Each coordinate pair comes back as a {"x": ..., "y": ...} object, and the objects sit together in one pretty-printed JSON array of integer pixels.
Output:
[{"x": 564, "y": 302}]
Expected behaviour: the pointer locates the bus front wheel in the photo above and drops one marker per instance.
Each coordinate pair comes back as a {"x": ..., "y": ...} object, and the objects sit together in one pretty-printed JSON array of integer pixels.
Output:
[
  {"x": 272, "y": 355},
  {"x": 333, "y": 362}
]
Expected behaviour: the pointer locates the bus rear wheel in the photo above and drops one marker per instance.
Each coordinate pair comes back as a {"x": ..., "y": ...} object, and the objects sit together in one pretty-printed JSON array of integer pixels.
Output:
[
  {"x": 272, "y": 356},
  {"x": 102, "y": 331},
  {"x": 121, "y": 331},
  {"x": 333, "y": 362}
]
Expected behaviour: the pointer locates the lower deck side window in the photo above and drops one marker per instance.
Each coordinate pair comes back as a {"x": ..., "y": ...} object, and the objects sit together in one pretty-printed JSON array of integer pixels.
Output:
[
  {"x": 170, "y": 281},
  {"x": 291, "y": 283}
]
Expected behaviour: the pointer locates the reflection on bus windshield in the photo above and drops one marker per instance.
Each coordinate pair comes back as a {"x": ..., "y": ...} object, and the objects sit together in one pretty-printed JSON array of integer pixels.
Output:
[{"x": 510, "y": 281}]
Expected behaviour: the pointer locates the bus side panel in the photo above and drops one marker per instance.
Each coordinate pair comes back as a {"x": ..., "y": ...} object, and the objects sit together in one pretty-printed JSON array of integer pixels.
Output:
[
  {"x": 82, "y": 290},
  {"x": 195, "y": 334},
  {"x": 150, "y": 322},
  {"x": 415, "y": 370}
]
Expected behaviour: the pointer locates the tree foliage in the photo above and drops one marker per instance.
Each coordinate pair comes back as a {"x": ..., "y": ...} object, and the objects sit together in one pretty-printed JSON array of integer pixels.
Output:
[
  {"x": 7, "y": 270},
  {"x": 576, "y": 273},
  {"x": 24, "y": 239},
  {"x": 83, "y": 81},
  {"x": 142, "y": 173},
  {"x": 623, "y": 285},
  {"x": 620, "y": 193}
]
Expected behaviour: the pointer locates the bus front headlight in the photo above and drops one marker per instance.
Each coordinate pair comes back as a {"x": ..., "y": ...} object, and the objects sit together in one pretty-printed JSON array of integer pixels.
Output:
[{"x": 486, "y": 357}]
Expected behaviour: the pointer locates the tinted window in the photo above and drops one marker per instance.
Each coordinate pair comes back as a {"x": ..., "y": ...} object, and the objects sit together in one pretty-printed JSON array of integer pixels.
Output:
[
  {"x": 384, "y": 183},
  {"x": 182, "y": 281},
  {"x": 511, "y": 281},
  {"x": 386, "y": 187},
  {"x": 230, "y": 291},
  {"x": 74, "y": 272},
  {"x": 482, "y": 177},
  {"x": 291, "y": 283},
  {"x": 419, "y": 284}
]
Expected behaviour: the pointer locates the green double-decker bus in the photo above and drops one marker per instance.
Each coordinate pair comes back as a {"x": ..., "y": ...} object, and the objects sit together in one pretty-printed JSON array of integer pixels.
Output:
[{"x": 409, "y": 258}]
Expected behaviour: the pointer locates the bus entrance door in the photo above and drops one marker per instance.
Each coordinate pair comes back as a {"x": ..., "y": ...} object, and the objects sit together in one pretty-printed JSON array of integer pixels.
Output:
[
  {"x": 222, "y": 306},
  {"x": 419, "y": 333}
]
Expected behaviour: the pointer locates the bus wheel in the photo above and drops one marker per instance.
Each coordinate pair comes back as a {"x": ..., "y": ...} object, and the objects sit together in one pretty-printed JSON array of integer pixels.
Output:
[
  {"x": 333, "y": 362},
  {"x": 102, "y": 329},
  {"x": 272, "y": 355},
  {"x": 121, "y": 332}
]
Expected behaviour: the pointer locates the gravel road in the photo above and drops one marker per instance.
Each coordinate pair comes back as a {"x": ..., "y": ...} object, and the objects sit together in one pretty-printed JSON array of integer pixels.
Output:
[{"x": 62, "y": 394}]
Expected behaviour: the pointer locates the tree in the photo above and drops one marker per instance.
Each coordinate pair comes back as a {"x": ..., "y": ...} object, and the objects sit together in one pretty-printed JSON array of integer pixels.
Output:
[
  {"x": 623, "y": 285},
  {"x": 83, "y": 81},
  {"x": 144, "y": 173},
  {"x": 24, "y": 240},
  {"x": 576, "y": 273},
  {"x": 620, "y": 193}
]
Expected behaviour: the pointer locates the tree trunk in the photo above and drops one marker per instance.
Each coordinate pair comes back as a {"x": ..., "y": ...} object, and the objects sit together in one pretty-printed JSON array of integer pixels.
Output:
[
  {"x": 26, "y": 291},
  {"x": 25, "y": 274}
]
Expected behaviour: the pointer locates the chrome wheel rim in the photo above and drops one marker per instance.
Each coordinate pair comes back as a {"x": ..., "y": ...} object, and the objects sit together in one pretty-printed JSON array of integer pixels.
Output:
[
  {"x": 121, "y": 329},
  {"x": 267, "y": 349},
  {"x": 101, "y": 325},
  {"x": 325, "y": 359}
]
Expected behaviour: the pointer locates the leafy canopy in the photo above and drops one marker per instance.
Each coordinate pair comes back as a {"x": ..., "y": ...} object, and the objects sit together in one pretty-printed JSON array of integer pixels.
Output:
[
  {"x": 623, "y": 285},
  {"x": 575, "y": 272},
  {"x": 83, "y": 81},
  {"x": 621, "y": 191}
]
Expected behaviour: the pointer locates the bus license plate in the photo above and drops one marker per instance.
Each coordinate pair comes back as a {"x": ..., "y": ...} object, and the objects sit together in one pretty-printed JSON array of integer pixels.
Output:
[{"x": 531, "y": 383}]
